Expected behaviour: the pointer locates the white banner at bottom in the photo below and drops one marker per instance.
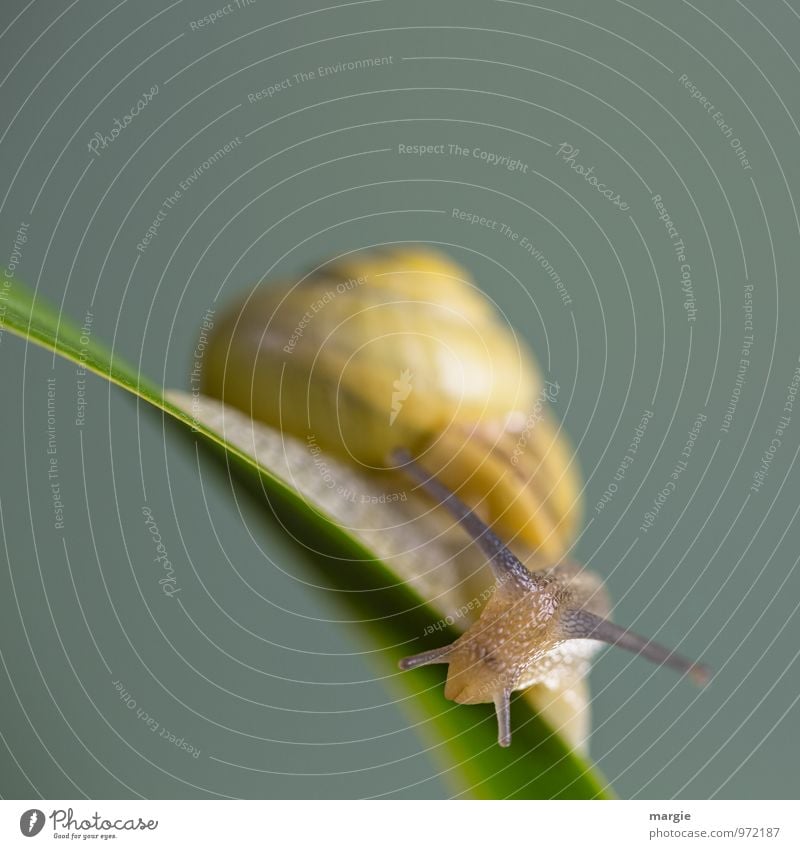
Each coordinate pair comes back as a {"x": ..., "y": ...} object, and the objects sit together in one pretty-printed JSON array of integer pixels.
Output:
[{"x": 402, "y": 824}]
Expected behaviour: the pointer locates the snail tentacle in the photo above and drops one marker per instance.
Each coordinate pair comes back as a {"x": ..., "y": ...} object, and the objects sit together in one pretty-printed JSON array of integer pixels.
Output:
[
  {"x": 504, "y": 563},
  {"x": 502, "y": 705},
  {"x": 581, "y": 624},
  {"x": 488, "y": 469},
  {"x": 425, "y": 658}
]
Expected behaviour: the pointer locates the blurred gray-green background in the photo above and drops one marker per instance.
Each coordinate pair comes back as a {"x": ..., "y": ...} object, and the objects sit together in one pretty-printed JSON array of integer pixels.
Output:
[{"x": 697, "y": 103}]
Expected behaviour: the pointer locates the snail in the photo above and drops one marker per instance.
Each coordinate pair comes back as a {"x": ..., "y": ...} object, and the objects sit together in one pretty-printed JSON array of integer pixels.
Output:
[
  {"x": 394, "y": 360},
  {"x": 520, "y": 638}
]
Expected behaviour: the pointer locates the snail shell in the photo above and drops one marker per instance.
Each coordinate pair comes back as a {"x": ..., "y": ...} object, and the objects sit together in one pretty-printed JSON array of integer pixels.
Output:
[{"x": 399, "y": 348}]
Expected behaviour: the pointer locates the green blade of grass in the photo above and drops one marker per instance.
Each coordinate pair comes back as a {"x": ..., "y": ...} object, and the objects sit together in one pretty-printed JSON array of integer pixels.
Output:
[{"x": 539, "y": 765}]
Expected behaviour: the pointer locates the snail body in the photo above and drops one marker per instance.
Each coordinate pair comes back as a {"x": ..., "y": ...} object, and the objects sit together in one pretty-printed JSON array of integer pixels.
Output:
[
  {"x": 528, "y": 630},
  {"x": 394, "y": 360}
]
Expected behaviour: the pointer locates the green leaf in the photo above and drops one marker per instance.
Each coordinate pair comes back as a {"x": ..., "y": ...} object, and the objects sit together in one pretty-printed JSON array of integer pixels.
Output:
[{"x": 380, "y": 556}]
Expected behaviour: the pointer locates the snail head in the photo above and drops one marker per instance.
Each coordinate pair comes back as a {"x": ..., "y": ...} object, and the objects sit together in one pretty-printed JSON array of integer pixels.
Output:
[{"x": 525, "y": 621}]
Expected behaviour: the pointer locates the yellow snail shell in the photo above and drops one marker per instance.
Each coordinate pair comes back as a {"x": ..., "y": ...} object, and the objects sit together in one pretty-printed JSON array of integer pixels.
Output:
[{"x": 399, "y": 348}]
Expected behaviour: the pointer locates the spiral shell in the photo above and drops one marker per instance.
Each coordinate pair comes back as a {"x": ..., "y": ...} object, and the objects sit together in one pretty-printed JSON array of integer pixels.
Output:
[{"x": 399, "y": 348}]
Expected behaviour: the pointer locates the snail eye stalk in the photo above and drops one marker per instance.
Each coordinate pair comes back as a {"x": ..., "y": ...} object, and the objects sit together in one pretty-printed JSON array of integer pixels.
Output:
[
  {"x": 425, "y": 658},
  {"x": 505, "y": 565},
  {"x": 581, "y": 624}
]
